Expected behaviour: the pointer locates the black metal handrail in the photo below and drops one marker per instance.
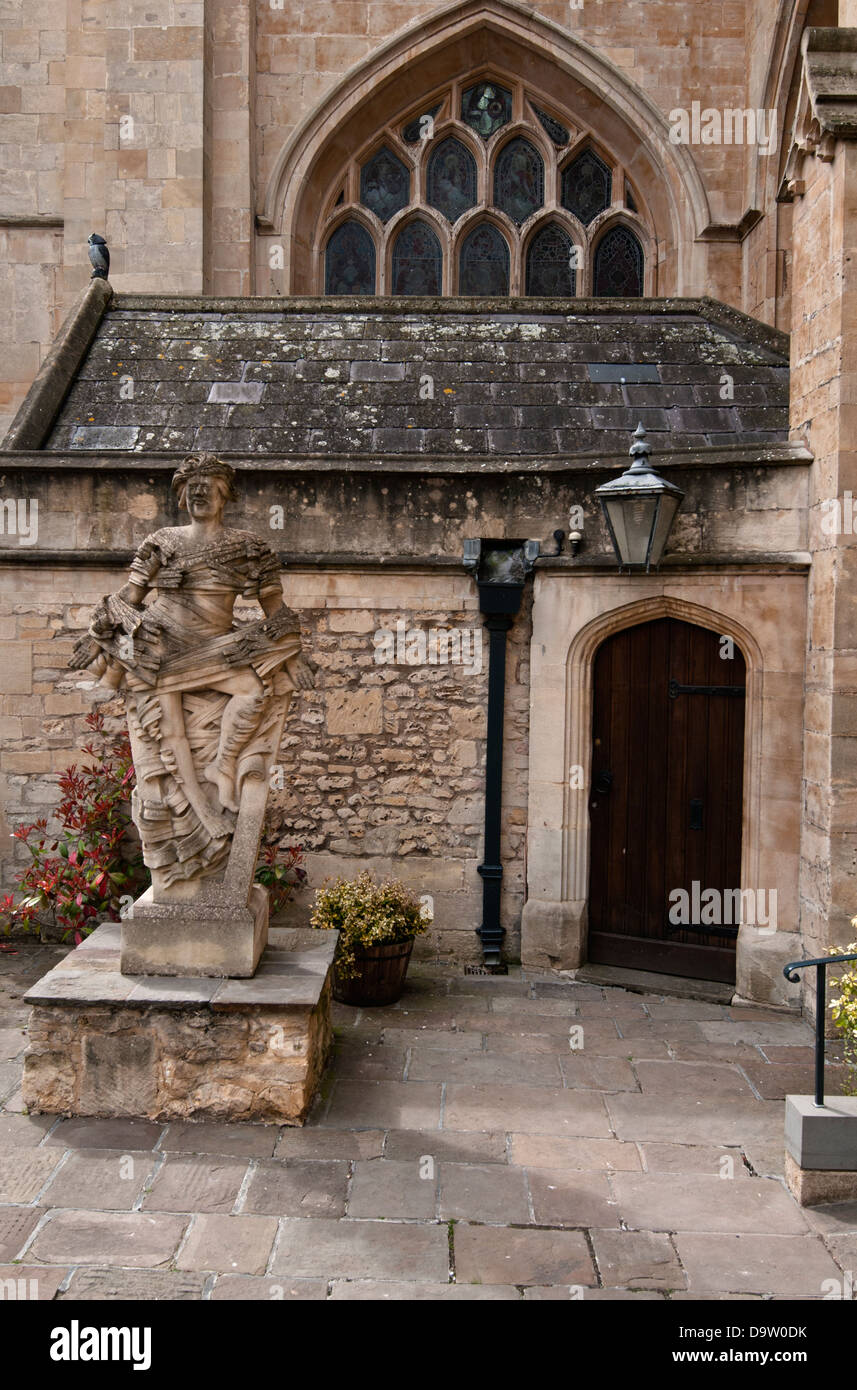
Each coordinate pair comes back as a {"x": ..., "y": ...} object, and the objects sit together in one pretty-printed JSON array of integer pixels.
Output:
[{"x": 821, "y": 963}]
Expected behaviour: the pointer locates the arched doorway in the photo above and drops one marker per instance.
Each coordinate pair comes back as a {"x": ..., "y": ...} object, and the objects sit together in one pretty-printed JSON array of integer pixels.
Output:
[{"x": 666, "y": 800}]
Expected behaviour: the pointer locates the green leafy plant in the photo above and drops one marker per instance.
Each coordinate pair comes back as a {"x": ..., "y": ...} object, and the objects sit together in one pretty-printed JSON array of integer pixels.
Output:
[
  {"x": 844, "y": 1013},
  {"x": 367, "y": 913},
  {"x": 80, "y": 871},
  {"x": 280, "y": 870},
  {"x": 84, "y": 865}
]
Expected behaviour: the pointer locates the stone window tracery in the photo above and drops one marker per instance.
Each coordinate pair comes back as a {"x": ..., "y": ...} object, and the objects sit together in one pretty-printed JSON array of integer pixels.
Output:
[
  {"x": 618, "y": 265},
  {"x": 350, "y": 261},
  {"x": 519, "y": 180},
  {"x": 484, "y": 268},
  {"x": 587, "y": 187},
  {"x": 417, "y": 261},
  {"x": 451, "y": 179},
  {"x": 550, "y": 263},
  {"x": 385, "y": 184},
  {"x": 481, "y": 190}
]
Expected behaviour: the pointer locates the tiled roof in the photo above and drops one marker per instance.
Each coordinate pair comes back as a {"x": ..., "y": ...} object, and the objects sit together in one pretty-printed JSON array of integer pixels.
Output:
[{"x": 325, "y": 381}]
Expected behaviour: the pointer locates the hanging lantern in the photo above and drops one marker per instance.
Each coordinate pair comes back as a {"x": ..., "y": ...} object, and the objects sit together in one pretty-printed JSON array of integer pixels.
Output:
[{"x": 639, "y": 509}]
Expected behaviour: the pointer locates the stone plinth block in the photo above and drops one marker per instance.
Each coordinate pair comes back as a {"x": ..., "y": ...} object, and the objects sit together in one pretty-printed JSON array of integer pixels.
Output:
[
  {"x": 821, "y": 1149},
  {"x": 822, "y": 1136},
  {"x": 108, "y": 1044},
  {"x": 195, "y": 938}
]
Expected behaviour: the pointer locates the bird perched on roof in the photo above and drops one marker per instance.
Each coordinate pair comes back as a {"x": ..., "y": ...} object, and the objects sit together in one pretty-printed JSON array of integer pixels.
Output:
[{"x": 99, "y": 256}]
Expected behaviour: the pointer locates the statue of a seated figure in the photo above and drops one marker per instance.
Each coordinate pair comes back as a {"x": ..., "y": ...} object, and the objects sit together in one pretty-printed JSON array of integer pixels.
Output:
[{"x": 205, "y": 695}]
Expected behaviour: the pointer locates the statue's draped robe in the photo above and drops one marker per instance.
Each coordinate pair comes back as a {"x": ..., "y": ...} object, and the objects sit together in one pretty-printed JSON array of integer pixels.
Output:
[{"x": 182, "y": 642}]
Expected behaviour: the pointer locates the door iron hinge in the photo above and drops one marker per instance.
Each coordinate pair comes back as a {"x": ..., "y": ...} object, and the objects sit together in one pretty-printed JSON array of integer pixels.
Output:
[{"x": 674, "y": 690}]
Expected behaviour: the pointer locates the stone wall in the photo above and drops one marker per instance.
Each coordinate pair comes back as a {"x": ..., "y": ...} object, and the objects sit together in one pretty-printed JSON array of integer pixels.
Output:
[
  {"x": 33, "y": 80},
  {"x": 382, "y": 765},
  {"x": 31, "y": 254},
  {"x": 33, "y": 137}
]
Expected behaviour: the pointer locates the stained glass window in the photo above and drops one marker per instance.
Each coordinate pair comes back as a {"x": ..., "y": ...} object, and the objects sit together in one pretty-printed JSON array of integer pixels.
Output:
[
  {"x": 349, "y": 261},
  {"x": 491, "y": 176},
  {"x": 618, "y": 265},
  {"x": 417, "y": 261},
  {"x": 557, "y": 132},
  {"x": 552, "y": 263},
  {"x": 451, "y": 179},
  {"x": 486, "y": 108},
  {"x": 413, "y": 131},
  {"x": 587, "y": 187},
  {"x": 484, "y": 263},
  {"x": 385, "y": 184},
  {"x": 519, "y": 180}
]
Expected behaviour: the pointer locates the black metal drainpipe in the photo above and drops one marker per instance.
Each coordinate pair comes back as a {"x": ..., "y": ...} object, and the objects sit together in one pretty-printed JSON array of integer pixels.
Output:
[
  {"x": 491, "y": 871},
  {"x": 500, "y": 568}
]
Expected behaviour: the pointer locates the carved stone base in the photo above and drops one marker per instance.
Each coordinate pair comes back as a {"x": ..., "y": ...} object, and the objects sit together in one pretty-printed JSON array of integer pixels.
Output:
[
  {"x": 107, "y": 1044},
  {"x": 191, "y": 938},
  {"x": 553, "y": 935}
]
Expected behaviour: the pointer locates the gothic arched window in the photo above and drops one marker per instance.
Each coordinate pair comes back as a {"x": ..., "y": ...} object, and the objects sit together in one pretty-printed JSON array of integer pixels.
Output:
[
  {"x": 417, "y": 261},
  {"x": 385, "y": 184},
  {"x": 484, "y": 262},
  {"x": 349, "y": 261},
  {"x": 552, "y": 261},
  {"x": 451, "y": 179},
  {"x": 487, "y": 189},
  {"x": 519, "y": 180},
  {"x": 587, "y": 187},
  {"x": 618, "y": 265}
]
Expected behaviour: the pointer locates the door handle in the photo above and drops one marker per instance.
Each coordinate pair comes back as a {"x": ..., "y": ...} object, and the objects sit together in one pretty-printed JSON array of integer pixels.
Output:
[
  {"x": 603, "y": 782},
  {"x": 696, "y": 813}
]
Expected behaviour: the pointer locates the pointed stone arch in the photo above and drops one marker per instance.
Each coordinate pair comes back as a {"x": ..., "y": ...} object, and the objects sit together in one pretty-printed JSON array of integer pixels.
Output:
[
  {"x": 572, "y": 616},
  {"x": 579, "y": 668},
  {"x": 506, "y": 37}
]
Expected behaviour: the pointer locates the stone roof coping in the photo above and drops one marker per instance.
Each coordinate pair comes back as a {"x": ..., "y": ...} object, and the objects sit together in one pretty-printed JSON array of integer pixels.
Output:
[
  {"x": 42, "y": 403},
  {"x": 723, "y": 315},
  {"x": 104, "y": 461}
]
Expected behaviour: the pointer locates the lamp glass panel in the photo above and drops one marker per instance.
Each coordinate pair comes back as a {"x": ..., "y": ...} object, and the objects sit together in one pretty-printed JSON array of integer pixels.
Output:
[
  {"x": 666, "y": 515},
  {"x": 632, "y": 519}
]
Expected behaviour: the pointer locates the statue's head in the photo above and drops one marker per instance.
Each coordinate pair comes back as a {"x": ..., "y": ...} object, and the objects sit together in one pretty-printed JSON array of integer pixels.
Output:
[{"x": 204, "y": 475}]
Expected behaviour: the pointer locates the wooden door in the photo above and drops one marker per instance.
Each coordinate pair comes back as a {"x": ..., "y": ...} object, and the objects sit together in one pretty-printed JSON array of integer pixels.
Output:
[{"x": 666, "y": 797}]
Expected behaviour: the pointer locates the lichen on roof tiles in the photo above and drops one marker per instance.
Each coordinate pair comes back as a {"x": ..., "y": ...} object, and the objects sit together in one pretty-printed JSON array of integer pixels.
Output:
[{"x": 317, "y": 382}]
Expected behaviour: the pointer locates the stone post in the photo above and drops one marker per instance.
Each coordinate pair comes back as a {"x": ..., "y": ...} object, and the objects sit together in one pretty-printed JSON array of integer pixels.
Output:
[{"x": 821, "y": 181}]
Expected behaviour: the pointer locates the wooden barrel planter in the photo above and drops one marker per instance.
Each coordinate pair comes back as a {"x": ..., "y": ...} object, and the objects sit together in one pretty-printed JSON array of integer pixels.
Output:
[{"x": 381, "y": 978}]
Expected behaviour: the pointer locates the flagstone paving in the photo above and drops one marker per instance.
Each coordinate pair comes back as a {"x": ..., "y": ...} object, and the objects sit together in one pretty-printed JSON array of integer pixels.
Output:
[{"x": 503, "y": 1138}]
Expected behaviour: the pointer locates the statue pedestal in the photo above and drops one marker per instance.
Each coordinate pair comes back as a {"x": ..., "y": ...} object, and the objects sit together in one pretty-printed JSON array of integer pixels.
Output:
[
  {"x": 196, "y": 938},
  {"x": 165, "y": 1047}
]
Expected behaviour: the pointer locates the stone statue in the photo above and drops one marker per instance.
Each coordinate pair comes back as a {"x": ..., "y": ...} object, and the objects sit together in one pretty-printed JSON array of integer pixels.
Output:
[{"x": 206, "y": 697}]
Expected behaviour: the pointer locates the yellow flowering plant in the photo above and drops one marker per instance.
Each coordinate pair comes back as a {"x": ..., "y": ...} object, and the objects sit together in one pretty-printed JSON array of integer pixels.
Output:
[
  {"x": 844, "y": 1013},
  {"x": 367, "y": 913}
]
